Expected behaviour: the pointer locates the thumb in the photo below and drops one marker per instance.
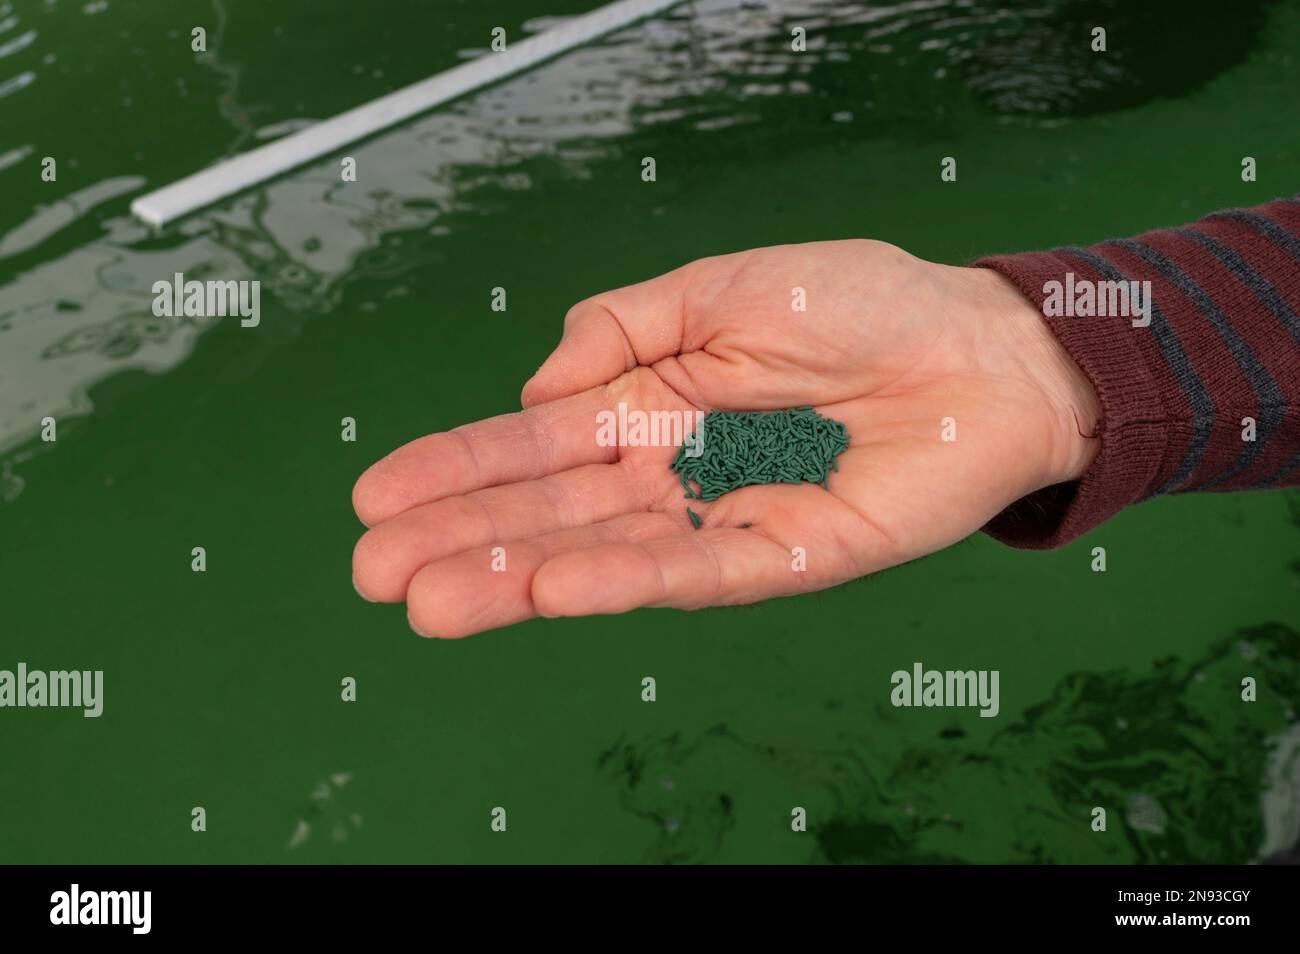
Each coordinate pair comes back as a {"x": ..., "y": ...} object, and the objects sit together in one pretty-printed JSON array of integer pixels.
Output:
[{"x": 610, "y": 334}]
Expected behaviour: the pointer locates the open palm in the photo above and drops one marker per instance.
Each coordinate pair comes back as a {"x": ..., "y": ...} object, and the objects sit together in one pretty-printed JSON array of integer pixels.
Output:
[{"x": 957, "y": 400}]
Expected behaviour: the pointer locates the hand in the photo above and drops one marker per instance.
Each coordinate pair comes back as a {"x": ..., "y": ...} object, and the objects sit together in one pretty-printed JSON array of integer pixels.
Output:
[{"x": 889, "y": 344}]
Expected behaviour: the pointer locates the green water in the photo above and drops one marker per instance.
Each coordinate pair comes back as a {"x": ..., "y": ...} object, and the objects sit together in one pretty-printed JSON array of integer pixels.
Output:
[{"x": 222, "y": 689}]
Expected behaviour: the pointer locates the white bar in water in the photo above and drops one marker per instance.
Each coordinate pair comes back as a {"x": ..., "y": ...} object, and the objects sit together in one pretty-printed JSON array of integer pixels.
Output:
[{"x": 248, "y": 169}]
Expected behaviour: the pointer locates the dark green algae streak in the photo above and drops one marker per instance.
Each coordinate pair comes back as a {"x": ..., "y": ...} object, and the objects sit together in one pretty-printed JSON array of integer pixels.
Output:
[{"x": 1161, "y": 753}]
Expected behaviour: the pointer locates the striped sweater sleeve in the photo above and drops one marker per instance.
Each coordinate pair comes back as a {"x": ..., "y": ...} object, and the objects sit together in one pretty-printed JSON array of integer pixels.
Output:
[{"x": 1205, "y": 395}]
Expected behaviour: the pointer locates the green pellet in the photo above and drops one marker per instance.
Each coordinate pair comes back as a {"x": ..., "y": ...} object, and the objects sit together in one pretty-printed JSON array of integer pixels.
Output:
[
  {"x": 695, "y": 518},
  {"x": 744, "y": 448}
]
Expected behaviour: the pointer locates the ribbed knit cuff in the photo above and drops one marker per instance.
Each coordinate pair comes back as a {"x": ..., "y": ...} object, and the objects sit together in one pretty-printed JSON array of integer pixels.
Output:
[{"x": 1132, "y": 429}]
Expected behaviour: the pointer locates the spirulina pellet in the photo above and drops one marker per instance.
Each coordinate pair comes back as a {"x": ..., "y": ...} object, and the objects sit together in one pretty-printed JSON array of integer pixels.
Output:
[
  {"x": 695, "y": 518},
  {"x": 744, "y": 448}
]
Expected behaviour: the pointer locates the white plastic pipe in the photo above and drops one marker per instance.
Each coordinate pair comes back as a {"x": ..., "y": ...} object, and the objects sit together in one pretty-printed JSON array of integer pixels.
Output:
[{"x": 248, "y": 169}]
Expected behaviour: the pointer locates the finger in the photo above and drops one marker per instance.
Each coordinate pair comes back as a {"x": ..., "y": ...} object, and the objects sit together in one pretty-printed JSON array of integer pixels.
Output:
[
  {"x": 479, "y": 590},
  {"x": 525, "y": 445},
  {"x": 613, "y": 332},
  {"x": 710, "y": 567},
  {"x": 388, "y": 555}
]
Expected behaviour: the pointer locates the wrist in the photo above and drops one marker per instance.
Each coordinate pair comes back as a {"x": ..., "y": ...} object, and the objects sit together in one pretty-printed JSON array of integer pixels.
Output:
[{"x": 1071, "y": 405}]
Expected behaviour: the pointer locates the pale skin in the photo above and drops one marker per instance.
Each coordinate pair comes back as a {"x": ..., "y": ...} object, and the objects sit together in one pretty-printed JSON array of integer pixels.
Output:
[{"x": 889, "y": 344}]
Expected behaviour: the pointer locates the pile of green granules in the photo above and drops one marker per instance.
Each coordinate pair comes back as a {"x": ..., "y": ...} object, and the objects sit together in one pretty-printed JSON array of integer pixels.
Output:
[{"x": 742, "y": 448}]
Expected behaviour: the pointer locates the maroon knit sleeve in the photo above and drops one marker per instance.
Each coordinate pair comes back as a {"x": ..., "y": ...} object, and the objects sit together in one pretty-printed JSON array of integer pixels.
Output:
[{"x": 1178, "y": 372}]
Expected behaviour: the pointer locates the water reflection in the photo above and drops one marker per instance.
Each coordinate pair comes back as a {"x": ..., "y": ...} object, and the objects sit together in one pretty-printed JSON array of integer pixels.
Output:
[{"x": 77, "y": 317}]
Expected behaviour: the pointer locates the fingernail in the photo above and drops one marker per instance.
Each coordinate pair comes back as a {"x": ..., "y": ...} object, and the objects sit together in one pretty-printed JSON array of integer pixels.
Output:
[{"x": 358, "y": 589}]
